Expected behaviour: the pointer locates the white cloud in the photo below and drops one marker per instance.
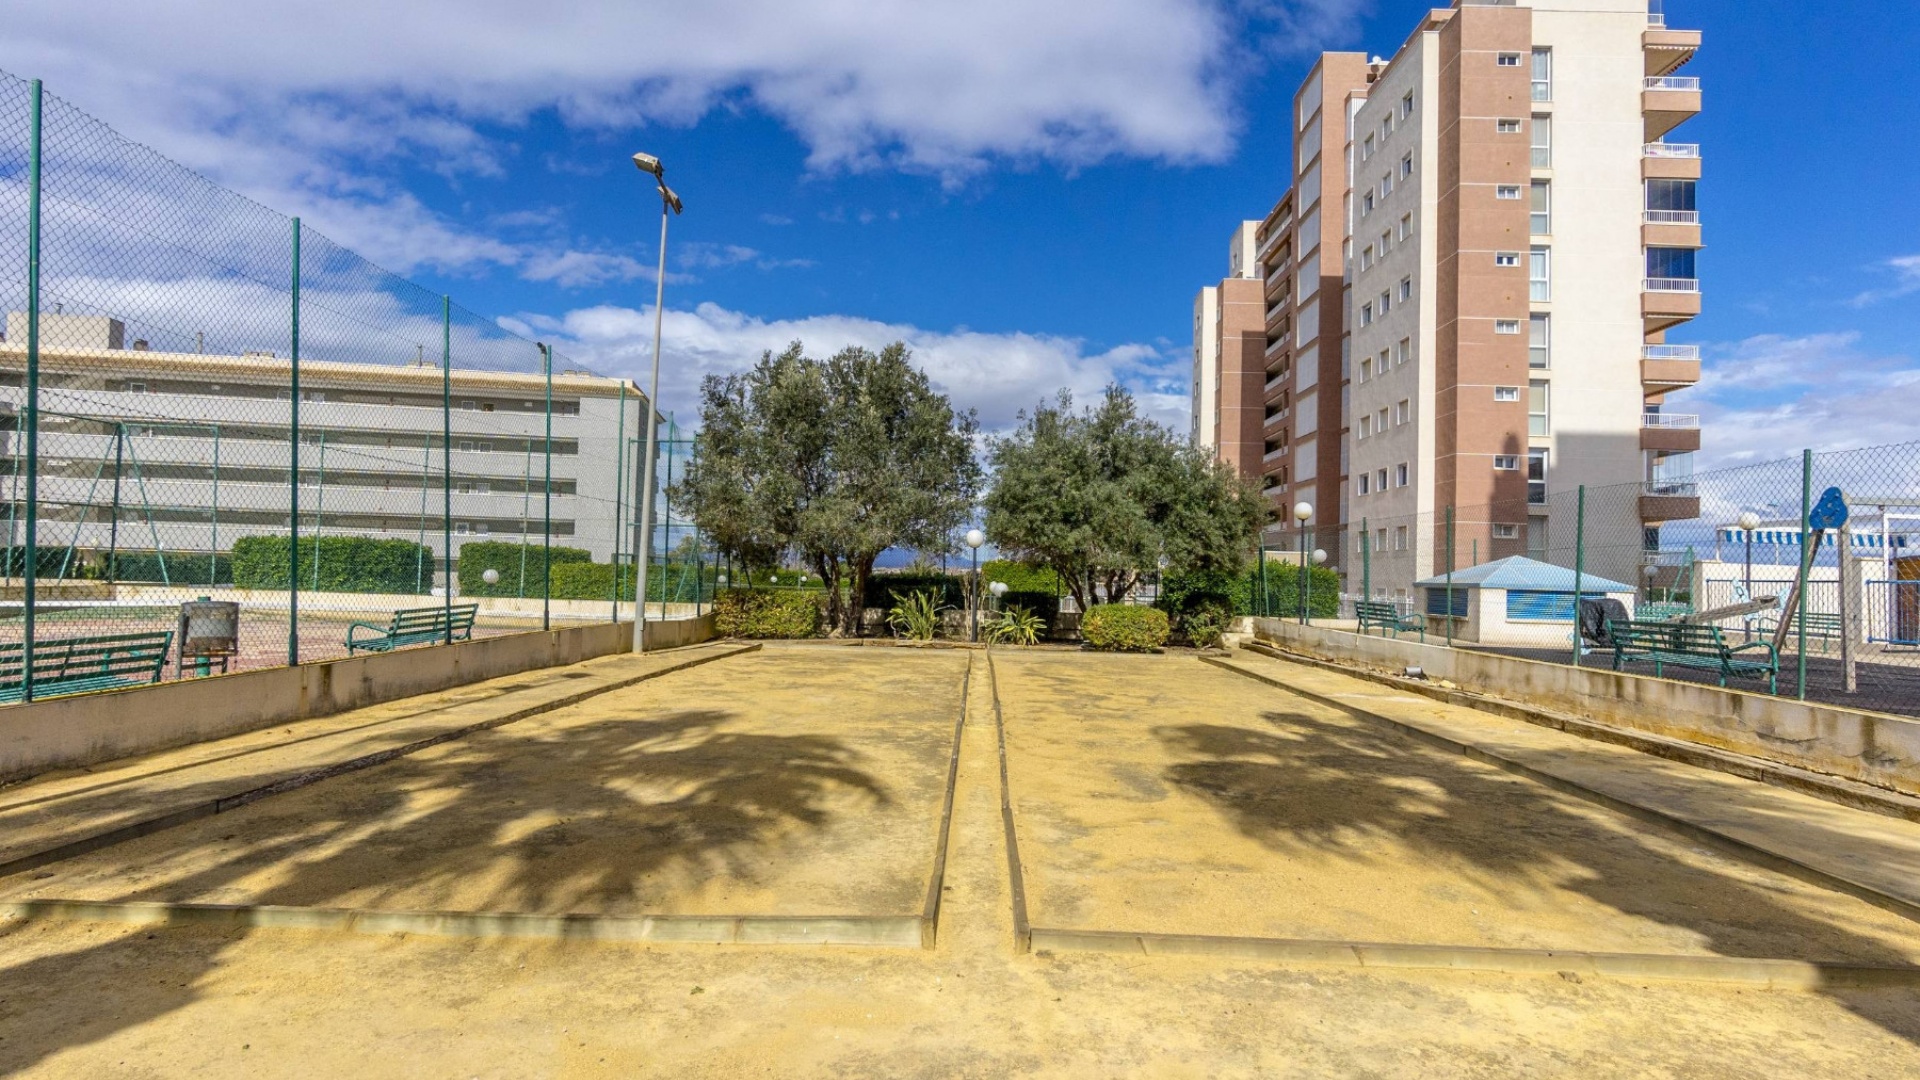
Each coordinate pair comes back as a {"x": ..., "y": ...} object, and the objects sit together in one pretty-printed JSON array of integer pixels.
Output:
[
  {"x": 997, "y": 374},
  {"x": 1906, "y": 274},
  {"x": 1769, "y": 396}
]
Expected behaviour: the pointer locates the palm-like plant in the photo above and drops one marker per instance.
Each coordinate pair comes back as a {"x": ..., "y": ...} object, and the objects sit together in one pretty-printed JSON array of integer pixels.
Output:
[
  {"x": 1016, "y": 626},
  {"x": 917, "y": 615}
]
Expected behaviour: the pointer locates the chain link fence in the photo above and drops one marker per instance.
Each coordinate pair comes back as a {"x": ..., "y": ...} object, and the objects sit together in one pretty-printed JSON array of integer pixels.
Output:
[
  {"x": 1809, "y": 566},
  {"x": 203, "y": 399}
]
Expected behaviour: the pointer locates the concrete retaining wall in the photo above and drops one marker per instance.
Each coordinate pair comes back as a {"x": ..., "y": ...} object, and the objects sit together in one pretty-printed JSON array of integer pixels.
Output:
[
  {"x": 88, "y": 729},
  {"x": 1874, "y": 748},
  {"x": 359, "y": 604}
]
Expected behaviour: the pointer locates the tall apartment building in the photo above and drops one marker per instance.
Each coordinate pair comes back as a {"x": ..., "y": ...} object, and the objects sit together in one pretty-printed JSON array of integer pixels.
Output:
[
  {"x": 1227, "y": 367},
  {"x": 1470, "y": 282},
  {"x": 202, "y": 444}
]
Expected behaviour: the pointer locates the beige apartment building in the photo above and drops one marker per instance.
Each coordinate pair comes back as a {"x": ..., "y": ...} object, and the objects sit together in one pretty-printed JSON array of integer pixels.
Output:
[
  {"x": 1469, "y": 286},
  {"x": 1228, "y": 369}
]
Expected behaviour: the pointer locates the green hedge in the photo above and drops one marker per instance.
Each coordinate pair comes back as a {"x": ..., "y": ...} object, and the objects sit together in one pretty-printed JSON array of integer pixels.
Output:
[
  {"x": 1044, "y": 604},
  {"x": 479, "y": 556},
  {"x": 766, "y": 613},
  {"x": 355, "y": 564},
  {"x": 182, "y": 567},
  {"x": 1021, "y": 577},
  {"x": 1240, "y": 594},
  {"x": 1124, "y": 627},
  {"x": 886, "y": 590}
]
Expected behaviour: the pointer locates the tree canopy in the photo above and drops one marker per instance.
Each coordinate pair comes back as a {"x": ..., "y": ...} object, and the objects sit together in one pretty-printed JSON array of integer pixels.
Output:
[
  {"x": 1104, "y": 495},
  {"x": 834, "y": 460}
]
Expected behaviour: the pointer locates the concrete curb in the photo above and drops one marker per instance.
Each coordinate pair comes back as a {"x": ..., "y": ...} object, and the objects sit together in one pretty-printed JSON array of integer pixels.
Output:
[
  {"x": 1850, "y": 793},
  {"x": 222, "y": 804},
  {"x": 1759, "y": 972},
  {"x": 1016, "y": 880},
  {"x": 930, "y": 914},
  {"x": 1764, "y": 857},
  {"x": 903, "y": 931}
]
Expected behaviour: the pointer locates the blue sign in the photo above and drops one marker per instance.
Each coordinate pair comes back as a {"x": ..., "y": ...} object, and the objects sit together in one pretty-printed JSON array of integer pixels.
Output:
[{"x": 1830, "y": 512}]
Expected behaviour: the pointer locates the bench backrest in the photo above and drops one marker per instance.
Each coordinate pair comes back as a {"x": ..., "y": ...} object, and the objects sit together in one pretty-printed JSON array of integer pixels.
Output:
[
  {"x": 1375, "y": 609},
  {"x": 426, "y": 619},
  {"x": 1675, "y": 637},
  {"x": 125, "y": 656}
]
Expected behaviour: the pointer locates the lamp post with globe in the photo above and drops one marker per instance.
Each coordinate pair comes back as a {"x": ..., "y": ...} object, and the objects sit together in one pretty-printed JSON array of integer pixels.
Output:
[
  {"x": 1319, "y": 559},
  {"x": 1749, "y": 521},
  {"x": 1302, "y": 513},
  {"x": 974, "y": 539}
]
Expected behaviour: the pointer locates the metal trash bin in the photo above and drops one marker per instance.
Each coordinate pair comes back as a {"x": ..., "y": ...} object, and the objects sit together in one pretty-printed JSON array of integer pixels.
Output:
[{"x": 209, "y": 631}]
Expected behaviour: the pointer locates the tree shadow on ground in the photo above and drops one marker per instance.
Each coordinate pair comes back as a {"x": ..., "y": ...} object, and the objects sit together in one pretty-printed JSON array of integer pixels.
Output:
[
  {"x": 1336, "y": 789},
  {"x": 649, "y": 802}
]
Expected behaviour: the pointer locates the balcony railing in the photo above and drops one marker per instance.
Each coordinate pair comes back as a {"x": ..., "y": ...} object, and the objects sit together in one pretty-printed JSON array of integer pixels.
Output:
[
  {"x": 1671, "y": 150},
  {"x": 1672, "y": 217},
  {"x": 1674, "y": 488},
  {"x": 1274, "y": 455},
  {"x": 1671, "y": 284},
  {"x": 1669, "y": 352},
  {"x": 1672, "y": 82},
  {"x": 1669, "y": 421},
  {"x": 1276, "y": 380}
]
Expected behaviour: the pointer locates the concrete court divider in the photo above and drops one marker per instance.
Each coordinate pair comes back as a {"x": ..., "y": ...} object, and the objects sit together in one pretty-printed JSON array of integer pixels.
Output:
[
  {"x": 1877, "y": 749},
  {"x": 88, "y": 729}
]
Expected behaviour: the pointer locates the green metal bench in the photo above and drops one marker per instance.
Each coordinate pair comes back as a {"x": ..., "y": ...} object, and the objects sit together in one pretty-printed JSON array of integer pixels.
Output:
[
  {"x": 413, "y": 626},
  {"x": 1821, "y": 626},
  {"x": 63, "y": 666},
  {"x": 1665, "y": 644},
  {"x": 1662, "y": 611},
  {"x": 1372, "y": 613}
]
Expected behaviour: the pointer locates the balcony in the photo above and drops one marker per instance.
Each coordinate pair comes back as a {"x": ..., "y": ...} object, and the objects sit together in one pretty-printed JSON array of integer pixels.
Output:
[
  {"x": 1272, "y": 456},
  {"x": 1278, "y": 322},
  {"x": 1277, "y": 346},
  {"x": 1666, "y": 302},
  {"x": 1279, "y": 232},
  {"x": 1670, "y": 161},
  {"x": 1667, "y": 49},
  {"x": 1667, "y": 433},
  {"x": 1279, "y": 285},
  {"x": 1670, "y": 228},
  {"x": 1668, "y": 500},
  {"x": 1666, "y": 102},
  {"x": 1665, "y": 368}
]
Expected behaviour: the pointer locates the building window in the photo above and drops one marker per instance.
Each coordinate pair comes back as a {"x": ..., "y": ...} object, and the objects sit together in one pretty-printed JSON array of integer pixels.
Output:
[
  {"x": 1366, "y": 372},
  {"x": 461, "y": 528},
  {"x": 1543, "y": 74},
  {"x": 1671, "y": 265},
  {"x": 1380, "y": 480},
  {"x": 1537, "y": 419},
  {"x": 1542, "y": 142},
  {"x": 1406, "y": 165},
  {"x": 1406, "y": 289},
  {"x": 1403, "y": 412},
  {"x": 1366, "y": 203},
  {"x": 1537, "y": 477},
  {"x": 1539, "y": 339},
  {"x": 1506, "y": 462},
  {"x": 1539, "y": 274},
  {"x": 1508, "y": 59},
  {"x": 1507, "y": 125},
  {"x": 1540, "y": 218},
  {"x": 1506, "y": 258},
  {"x": 1363, "y": 483},
  {"x": 1400, "y": 474},
  {"x": 1386, "y": 241},
  {"x": 1506, "y": 191},
  {"x": 1366, "y": 149},
  {"x": 1406, "y": 106},
  {"x": 1366, "y": 314},
  {"x": 1406, "y": 227},
  {"x": 1386, "y": 127},
  {"x": 1506, "y": 393},
  {"x": 1405, "y": 353},
  {"x": 1506, "y": 326},
  {"x": 1386, "y": 302},
  {"x": 1672, "y": 201},
  {"x": 136, "y": 388},
  {"x": 1506, "y": 532},
  {"x": 1386, "y": 185},
  {"x": 1399, "y": 538},
  {"x": 1366, "y": 258}
]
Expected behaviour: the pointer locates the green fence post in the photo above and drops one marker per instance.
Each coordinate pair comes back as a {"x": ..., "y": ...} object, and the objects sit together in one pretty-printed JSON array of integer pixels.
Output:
[
  {"x": 113, "y": 526},
  {"x": 293, "y": 467},
  {"x": 526, "y": 515},
  {"x": 31, "y": 568},
  {"x": 420, "y": 583},
  {"x": 319, "y": 510},
  {"x": 546, "y": 570},
  {"x": 1806, "y": 564},
  {"x": 446, "y": 457},
  {"x": 213, "y": 545},
  {"x": 1449, "y": 613},
  {"x": 1579, "y": 564},
  {"x": 666, "y": 510},
  {"x": 1366, "y": 561}
]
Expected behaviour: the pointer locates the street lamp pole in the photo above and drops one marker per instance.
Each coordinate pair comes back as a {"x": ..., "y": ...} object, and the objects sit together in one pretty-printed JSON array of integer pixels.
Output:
[
  {"x": 1749, "y": 521},
  {"x": 643, "y": 542},
  {"x": 974, "y": 539},
  {"x": 1302, "y": 512}
]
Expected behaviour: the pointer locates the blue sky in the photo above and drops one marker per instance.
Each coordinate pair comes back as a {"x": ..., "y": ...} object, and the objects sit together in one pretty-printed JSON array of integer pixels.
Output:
[{"x": 1030, "y": 197}]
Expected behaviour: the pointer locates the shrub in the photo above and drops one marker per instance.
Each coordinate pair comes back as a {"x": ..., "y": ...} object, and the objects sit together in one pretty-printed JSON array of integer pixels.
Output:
[
  {"x": 1044, "y": 606},
  {"x": 1021, "y": 577},
  {"x": 917, "y": 615},
  {"x": 182, "y": 567},
  {"x": 1124, "y": 627},
  {"x": 766, "y": 613},
  {"x": 353, "y": 564},
  {"x": 1204, "y": 624},
  {"x": 479, "y": 556},
  {"x": 1016, "y": 626},
  {"x": 888, "y": 590}
]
